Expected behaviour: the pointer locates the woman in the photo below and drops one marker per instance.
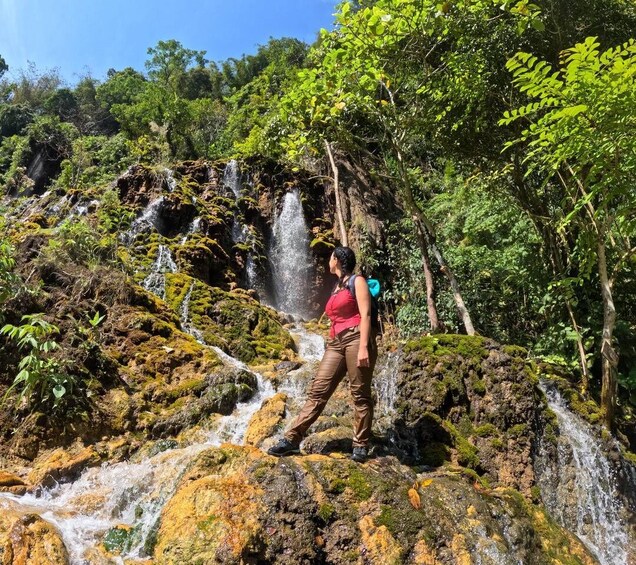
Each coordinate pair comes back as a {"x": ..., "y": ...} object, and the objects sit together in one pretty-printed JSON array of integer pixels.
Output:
[{"x": 350, "y": 349}]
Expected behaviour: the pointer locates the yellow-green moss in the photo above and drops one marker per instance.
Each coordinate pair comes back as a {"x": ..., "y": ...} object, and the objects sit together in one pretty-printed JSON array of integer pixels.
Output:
[{"x": 486, "y": 430}]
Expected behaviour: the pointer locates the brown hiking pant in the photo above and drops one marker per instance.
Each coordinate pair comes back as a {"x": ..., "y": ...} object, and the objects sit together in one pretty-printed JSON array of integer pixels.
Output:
[{"x": 341, "y": 357}]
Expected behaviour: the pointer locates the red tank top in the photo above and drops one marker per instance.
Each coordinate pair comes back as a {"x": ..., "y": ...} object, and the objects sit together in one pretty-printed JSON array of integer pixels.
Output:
[{"x": 343, "y": 312}]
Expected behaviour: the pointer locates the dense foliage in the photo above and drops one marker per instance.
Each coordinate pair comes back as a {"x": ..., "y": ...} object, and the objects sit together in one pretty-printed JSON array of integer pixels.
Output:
[{"x": 503, "y": 130}]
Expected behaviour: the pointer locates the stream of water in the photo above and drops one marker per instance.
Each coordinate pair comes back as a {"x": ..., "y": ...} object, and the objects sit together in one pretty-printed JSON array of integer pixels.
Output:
[
  {"x": 289, "y": 257},
  {"x": 579, "y": 486}
]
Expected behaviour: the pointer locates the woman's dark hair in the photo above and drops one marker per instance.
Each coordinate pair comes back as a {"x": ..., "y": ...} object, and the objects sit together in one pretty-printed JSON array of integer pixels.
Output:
[{"x": 347, "y": 259}]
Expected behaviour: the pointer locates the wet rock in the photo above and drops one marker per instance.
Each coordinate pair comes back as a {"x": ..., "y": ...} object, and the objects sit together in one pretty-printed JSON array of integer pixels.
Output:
[
  {"x": 213, "y": 517},
  {"x": 10, "y": 480},
  {"x": 266, "y": 421},
  {"x": 28, "y": 539},
  {"x": 225, "y": 388},
  {"x": 62, "y": 465},
  {"x": 236, "y": 504},
  {"x": 286, "y": 366},
  {"x": 380, "y": 545},
  {"x": 330, "y": 440},
  {"x": 138, "y": 186}
]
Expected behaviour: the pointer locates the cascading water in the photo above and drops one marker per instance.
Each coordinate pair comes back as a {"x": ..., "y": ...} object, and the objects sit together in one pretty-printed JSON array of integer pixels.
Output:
[
  {"x": 147, "y": 221},
  {"x": 240, "y": 231},
  {"x": 155, "y": 282},
  {"x": 578, "y": 487},
  {"x": 291, "y": 263},
  {"x": 171, "y": 182},
  {"x": 232, "y": 178},
  {"x": 192, "y": 228},
  {"x": 385, "y": 384},
  {"x": 184, "y": 316},
  {"x": 132, "y": 494}
]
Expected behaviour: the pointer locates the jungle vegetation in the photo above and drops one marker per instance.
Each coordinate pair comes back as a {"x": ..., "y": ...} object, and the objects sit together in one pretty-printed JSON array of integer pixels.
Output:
[{"x": 503, "y": 129}]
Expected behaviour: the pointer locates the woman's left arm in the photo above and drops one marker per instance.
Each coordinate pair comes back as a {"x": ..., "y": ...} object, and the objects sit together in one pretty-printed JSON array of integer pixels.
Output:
[{"x": 363, "y": 298}]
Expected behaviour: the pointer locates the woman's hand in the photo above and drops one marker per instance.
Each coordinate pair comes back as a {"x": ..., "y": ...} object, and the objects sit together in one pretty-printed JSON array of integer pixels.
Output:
[{"x": 363, "y": 356}]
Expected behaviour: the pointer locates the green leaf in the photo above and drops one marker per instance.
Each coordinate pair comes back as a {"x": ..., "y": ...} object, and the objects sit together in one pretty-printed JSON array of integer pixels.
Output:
[{"x": 59, "y": 391}]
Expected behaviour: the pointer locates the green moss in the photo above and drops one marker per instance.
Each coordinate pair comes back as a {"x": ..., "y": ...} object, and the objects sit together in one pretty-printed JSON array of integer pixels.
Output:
[
  {"x": 518, "y": 430},
  {"x": 445, "y": 349},
  {"x": 387, "y": 519},
  {"x": 630, "y": 456},
  {"x": 435, "y": 454},
  {"x": 337, "y": 486},
  {"x": 479, "y": 386},
  {"x": 497, "y": 443},
  {"x": 326, "y": 512},
  {"x": 466, "y": 451},
  {"x": 358, "y": 483},
  {"x": 465, "y": 426},
  {"x": 486, "y": 430},
  {"x": 515, "y": 351},
  {"x": 119, "y": 539},
  {"x": 535, "y": 492}
]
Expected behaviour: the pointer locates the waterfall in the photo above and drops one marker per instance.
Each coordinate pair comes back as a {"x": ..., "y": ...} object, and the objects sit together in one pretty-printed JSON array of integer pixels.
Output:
[
  {"x": 184, "y": 316},
  {"x": 291, "y": 263},
  {"x": 311, "y": 346},
  {"x": 579, "y": 487},
  {"x": 127, "y": 493},
  {"x": 192, "y": 228},
  {"x": 155, "y": 282},
  {"x": 147, "y": 221},
  {"x": 133, "y": 493},
  {"x": 171, "y": 183},
  {"x": 385, "y": 384},
  {"x": 232, "y": 428},
  {"x": 240, "y": 231}
]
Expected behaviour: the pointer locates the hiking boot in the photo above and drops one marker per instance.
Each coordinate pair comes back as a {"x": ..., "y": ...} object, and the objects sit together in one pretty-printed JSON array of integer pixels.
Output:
[
  {"x": 284, "y": 447},
  {"x": 359, "y": 454}
]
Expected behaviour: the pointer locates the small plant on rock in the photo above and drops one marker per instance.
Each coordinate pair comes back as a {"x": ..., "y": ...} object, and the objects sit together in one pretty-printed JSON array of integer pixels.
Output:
[{"x": 41, "y": 378}]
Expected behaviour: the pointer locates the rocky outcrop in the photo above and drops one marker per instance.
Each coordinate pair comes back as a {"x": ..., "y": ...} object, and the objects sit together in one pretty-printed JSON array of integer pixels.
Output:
[
  {"x": 267, "y": 420},
  {"x": 237, "y": 505},
  {"x": 27, "y": 539},
  {"x": 471, "y": 402}
]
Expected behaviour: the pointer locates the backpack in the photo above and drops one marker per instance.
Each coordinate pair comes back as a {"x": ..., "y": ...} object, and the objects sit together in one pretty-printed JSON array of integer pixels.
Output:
[{"x": 374, "y": 290}]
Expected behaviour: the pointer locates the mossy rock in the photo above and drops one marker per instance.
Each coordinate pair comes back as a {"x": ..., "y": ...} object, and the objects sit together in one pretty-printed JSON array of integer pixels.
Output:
[
  {"x": 233, "y": 321},
  {"x": 455, "y": 390}
]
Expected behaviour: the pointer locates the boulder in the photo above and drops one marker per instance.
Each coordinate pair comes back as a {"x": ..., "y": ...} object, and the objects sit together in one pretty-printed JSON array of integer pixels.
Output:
[
  {"x": 469, "y": 401},
  {"x": 28, "y": 539},
  {"x": 266, "y": 421},
  {"x": 62, "y": 465},
  {"x": 238, "y": 505}
]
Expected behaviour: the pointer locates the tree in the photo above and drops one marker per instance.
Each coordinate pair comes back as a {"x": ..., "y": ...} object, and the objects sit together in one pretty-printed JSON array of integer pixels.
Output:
[{"x": 581, "y": 136}]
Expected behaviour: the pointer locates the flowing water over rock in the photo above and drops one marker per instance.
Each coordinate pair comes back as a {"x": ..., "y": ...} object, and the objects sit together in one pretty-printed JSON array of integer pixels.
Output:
[
  {"x": 579, "y": 486},
  {"x": 192, "y": 228},
  {"x": 147, "y": 221},
  {"x": 291, "y": 263},
  {"x": 232, "y": 178},
  {"x": 385, "y": 385},
  {"x": 155, "y": 282},
  {"x": 132, "y": 494},
  {"x": 240, "y": 231}
]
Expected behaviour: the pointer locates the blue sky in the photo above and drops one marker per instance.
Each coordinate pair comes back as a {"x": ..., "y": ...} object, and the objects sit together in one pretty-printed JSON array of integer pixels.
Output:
[{"x": 80, "y": 36}]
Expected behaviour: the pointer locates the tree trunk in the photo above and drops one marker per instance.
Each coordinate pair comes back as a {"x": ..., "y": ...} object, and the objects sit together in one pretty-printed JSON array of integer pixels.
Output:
[
  {"x": 428, "y": 278},
  {"x": 427, "y": 226},
  {"x": 341, "y": 224},
  {"x": 585, "y": 372},
  {"x": 609, "y": 355}
]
